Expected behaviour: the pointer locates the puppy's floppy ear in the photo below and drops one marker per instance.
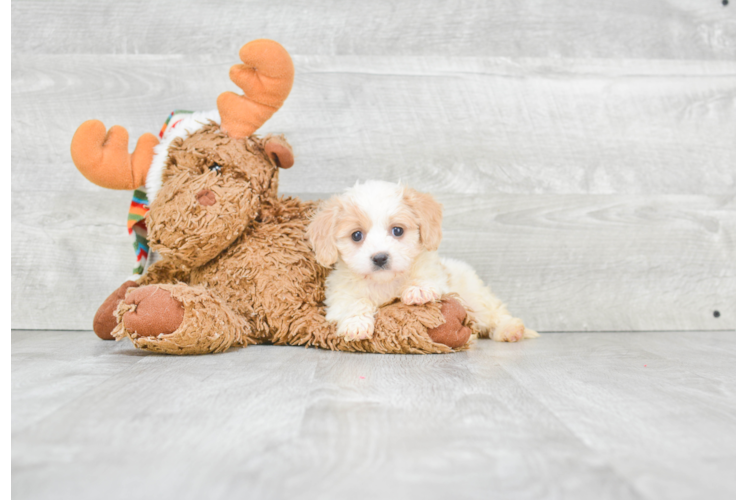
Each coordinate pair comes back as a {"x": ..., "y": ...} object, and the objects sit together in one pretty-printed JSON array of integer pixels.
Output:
[
  {"x": 321, "y": 232},
  {"x": 428, "y": 212}
]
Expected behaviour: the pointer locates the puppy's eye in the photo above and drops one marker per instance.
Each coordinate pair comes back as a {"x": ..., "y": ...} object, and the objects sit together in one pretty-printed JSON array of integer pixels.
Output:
[
  {"x": 397, "y": 231},
  {"x": 215, "y": 168},
  {"x": 357, "y": 236}
]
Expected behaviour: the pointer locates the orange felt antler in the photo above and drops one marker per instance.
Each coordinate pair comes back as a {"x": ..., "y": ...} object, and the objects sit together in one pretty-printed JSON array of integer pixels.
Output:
[
  {"x": 266, "y": 78},
  {"x": 103, "y": 159}
]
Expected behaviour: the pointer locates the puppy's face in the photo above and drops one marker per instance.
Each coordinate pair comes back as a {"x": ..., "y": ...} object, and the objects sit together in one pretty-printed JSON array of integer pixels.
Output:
[{"x": 376, "y": 228}]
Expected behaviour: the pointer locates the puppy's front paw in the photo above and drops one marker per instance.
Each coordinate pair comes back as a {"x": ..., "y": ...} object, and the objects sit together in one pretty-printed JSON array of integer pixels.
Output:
[
  {"x": 417, "y": 295},
  {"x": 356, "y": 328}
]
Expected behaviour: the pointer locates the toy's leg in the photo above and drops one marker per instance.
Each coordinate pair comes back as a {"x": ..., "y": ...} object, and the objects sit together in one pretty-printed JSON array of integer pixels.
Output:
[
  {"x": 104, "y": 321},
  {"x": 179, "y": 319},
  {"x": 434, "y": 327},
  {"x": 430, "y": 328},
  {"x": 456, "y": 330}
]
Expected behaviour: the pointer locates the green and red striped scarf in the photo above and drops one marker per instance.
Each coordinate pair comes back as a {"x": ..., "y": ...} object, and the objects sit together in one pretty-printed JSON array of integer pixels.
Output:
[{"x": 139, "y": 207}]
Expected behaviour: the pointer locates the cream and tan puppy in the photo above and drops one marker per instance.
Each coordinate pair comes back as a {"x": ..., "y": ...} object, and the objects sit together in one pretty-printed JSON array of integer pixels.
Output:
[{"x": 382, "y": 239}]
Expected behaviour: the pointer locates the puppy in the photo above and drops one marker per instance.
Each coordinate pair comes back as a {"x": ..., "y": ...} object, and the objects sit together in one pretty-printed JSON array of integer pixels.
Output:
[{"x": 382, "y": 240}]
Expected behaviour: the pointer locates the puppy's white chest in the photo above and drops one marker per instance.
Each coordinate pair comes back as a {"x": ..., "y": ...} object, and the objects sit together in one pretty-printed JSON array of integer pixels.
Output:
[{"x": 382, "y": 293}]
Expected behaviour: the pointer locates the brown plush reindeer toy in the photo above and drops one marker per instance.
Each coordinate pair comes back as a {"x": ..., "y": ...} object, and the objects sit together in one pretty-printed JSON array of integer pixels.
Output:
[{"x": 236, "y": 268}]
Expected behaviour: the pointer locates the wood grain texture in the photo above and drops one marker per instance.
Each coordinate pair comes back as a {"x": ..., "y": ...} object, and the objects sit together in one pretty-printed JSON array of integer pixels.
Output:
[
  {"x": 67, "y": 252},
  {"x": 44, "y": 382},
  {"x": 740, "y": 213},
  {"x": 586, "y": 416},
  {"x": 585, "y": 151},
  {"x": 443, "y": 124},
  {"x": 739, "y": 30},
  {"x": 561, "y": 262},
  {"x": 738, "y": 26},
  {"x": 611, "y": 263},
  {"x": 664, "y": 29}
]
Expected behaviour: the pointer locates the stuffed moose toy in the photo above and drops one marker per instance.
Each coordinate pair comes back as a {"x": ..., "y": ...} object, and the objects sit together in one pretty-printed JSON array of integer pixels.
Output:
[{"x": 235, "y": 267}]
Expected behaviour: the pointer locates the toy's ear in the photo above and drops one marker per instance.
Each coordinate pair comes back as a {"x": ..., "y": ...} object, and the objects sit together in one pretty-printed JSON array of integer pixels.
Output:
[
  {"x": 321, "y": 232},
  {"x": 429, "y": 214},
  {"x": 279, "y": 151}
]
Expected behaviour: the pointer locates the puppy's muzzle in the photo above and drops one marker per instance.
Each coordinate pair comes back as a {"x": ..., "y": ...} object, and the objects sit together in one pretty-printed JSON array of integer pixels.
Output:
[{"x": 380, "y": 259}]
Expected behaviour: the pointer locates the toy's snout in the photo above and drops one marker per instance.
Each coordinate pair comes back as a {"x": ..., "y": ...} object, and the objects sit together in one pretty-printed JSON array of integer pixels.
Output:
[
  {"x": 197, "y": 215},
  {"x": 206, "y": 197}
]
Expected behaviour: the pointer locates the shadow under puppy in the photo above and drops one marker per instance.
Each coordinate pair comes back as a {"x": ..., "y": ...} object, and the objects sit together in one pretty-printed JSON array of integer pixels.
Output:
[{"x": 382, "y": 239}]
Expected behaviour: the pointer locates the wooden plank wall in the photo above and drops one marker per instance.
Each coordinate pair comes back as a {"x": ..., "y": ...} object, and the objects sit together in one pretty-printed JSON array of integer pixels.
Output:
[
  {"x": 739, "y": 29},
  {"x": 584, "y": 150}
]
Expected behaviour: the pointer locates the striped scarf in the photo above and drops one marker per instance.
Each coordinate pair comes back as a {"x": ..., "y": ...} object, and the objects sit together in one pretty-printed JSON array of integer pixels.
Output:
[
  {"x": 139, "y": 207},
  {"x": 136, "y": 225}
]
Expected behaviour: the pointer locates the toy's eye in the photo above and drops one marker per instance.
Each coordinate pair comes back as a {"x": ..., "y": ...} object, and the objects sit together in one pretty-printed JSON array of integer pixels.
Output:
[
  {"x": 397, "y": 231},
  {"x": 215, "y": 168},
  {"x": 357, "y": 236}
]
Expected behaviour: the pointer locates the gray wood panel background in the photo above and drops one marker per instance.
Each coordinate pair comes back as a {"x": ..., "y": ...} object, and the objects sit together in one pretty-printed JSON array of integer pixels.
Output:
[
  {"x": 584, "y": 151},
  {"x": 739, "y": 25}
]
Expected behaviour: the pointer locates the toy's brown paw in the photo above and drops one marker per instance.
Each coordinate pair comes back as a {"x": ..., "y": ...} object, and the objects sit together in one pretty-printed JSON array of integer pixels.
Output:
[
  {"x": 156, "y": 312},
  {"x": 105, "y": 321},
  {"x": 451, "y": 333}
]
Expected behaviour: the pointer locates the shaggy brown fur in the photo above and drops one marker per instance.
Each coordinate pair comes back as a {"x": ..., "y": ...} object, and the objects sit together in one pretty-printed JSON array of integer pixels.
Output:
[{"x": 241, "y": 268}]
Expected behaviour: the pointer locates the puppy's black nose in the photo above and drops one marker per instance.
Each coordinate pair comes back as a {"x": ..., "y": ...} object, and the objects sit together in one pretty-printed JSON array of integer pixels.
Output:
[{"x": 380, "y": 259}]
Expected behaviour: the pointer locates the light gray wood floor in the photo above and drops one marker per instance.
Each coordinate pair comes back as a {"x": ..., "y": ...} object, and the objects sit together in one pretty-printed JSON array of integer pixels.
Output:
[{"x": 574, "y": 415}]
